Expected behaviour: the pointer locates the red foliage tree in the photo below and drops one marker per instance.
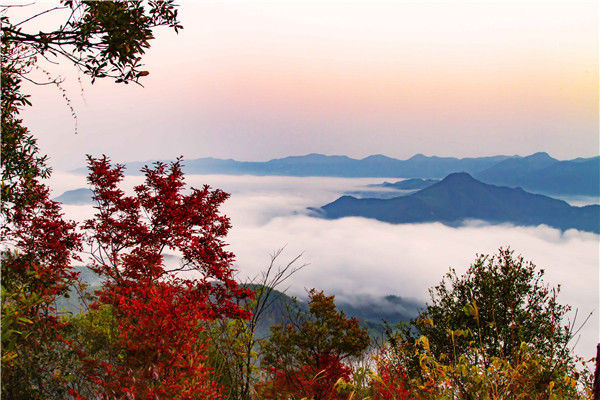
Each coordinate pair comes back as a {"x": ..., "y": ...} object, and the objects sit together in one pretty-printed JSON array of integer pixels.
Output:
[
  {"x": 390, "y": 380},
  {"x": 42, "y": 241},
  {"x": 307, "y": 381},
  {"x": 160, "y": 309},
  {"x": 38, "y": 247}
]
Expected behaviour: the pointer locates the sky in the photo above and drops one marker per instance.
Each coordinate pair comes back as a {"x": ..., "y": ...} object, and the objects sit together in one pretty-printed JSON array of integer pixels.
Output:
[{"x": 256, "y": 80}]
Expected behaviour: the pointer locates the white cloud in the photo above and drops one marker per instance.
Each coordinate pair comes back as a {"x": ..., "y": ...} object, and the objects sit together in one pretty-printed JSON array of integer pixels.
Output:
[{"x": 353, "y": 257}]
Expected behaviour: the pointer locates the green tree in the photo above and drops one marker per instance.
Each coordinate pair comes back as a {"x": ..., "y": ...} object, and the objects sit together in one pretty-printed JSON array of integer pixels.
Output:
[
  {"x": 497, "y": 331},
  {"x": 500, "y": 302},
  {"x": 21, "y": 162},
  {"x": 102, "y": 38}
]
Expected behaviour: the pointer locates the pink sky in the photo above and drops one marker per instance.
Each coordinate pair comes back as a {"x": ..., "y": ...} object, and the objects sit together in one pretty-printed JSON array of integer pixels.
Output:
[{"x": 258, "y": 80}]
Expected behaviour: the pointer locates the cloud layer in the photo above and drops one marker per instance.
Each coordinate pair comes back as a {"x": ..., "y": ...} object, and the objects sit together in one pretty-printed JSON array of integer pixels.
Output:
[{"x": 360, "y": 258}]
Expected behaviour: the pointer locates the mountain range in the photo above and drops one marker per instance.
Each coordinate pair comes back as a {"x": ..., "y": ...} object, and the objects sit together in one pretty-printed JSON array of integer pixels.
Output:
[
  {"x": 538, "y": 172},
  {"x": 418, "y": 166},
  {"x": 460, "y": 197},
  {"x": 541, "y": 173},
  {"x": 372, "y": 312}
]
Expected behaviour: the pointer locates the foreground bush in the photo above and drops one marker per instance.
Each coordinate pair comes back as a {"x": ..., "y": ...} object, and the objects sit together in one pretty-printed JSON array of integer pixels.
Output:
[{"x": 496, "y": 332}]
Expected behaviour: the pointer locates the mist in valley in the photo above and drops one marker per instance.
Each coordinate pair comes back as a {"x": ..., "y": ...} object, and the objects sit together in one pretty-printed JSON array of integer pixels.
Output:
[{"x": 362, "y": 260}]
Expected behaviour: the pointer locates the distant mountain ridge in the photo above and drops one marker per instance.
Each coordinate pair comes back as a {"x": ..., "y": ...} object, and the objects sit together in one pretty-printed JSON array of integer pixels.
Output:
[
  {"x": 538, "y": 172},
  {"x": 371, "y": 311},
  {"x": 460, "y": 197},
  {"x": 76, "y": 197},
  {"x": 541, "y": 173},
  {"x": 418, "y": 166}
]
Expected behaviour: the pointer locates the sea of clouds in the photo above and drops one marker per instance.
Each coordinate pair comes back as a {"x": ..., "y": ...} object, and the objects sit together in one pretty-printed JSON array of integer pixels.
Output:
[{"x": 358, "y": 258}]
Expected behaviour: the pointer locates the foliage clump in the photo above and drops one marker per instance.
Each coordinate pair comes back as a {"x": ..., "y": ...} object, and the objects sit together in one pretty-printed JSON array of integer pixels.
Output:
[
  {"x": 500, "y": 302},
  {"x": 496, "y": 332},
  {"x": 306, "y": 358}
]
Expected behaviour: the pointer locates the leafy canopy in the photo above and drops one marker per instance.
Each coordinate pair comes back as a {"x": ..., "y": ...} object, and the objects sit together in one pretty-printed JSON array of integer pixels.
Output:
[
  {"x": 500, "y": 302},
  {"x": 101, "y": 38},
  {"x": 159, "y": 308},
  {"x": 497, "y": 331}
]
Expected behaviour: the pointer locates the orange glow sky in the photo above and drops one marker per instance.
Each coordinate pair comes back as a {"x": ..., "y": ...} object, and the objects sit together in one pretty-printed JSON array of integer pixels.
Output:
[{"x": 259, "y": 80}]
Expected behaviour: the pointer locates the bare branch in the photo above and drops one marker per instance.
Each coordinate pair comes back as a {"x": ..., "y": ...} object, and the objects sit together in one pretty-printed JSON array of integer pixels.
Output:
[
  {"x": 39, "y": 14},
  {"x": 16, "y": 5}
]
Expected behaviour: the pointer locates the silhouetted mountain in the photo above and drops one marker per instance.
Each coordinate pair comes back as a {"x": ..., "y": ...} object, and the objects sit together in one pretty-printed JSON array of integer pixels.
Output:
[
  {"x": 377, "y": 194},
  {"x": 371, "y": 312},
  {"x": 579, "y": 176},
  {"x": 389, "y": 190},
  {"x": 542, "y": 173},
  {"x": 78, "y": 298},
  {"x": 75, "y": 197},
  {"x": 408, "y": 184},
  {"x": 514, "y": 168},
  {"x": 372, "y": 166},
  {"x": 460, "y": 197}
]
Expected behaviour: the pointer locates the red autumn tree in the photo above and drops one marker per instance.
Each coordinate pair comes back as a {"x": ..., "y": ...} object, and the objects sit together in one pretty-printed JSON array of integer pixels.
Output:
[
  {"x": 38, "y": 247},
  {"x": 390, "y": 381},
  {"x": 306, "y": 358},
  {"x": 159, "y": 309}
]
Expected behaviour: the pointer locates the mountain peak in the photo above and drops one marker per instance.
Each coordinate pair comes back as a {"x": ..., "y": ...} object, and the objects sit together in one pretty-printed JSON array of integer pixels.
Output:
[
  {"x": 376, "y": 157},
  {"x": 312, "y": 155},
  {"x": 460, "y": 197},
  {"x": 76, "y": 196},
  {"x": 458, "y": 177},
  {"x": 418, "y": 156},
  {"x": 541, "y": 155}
]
